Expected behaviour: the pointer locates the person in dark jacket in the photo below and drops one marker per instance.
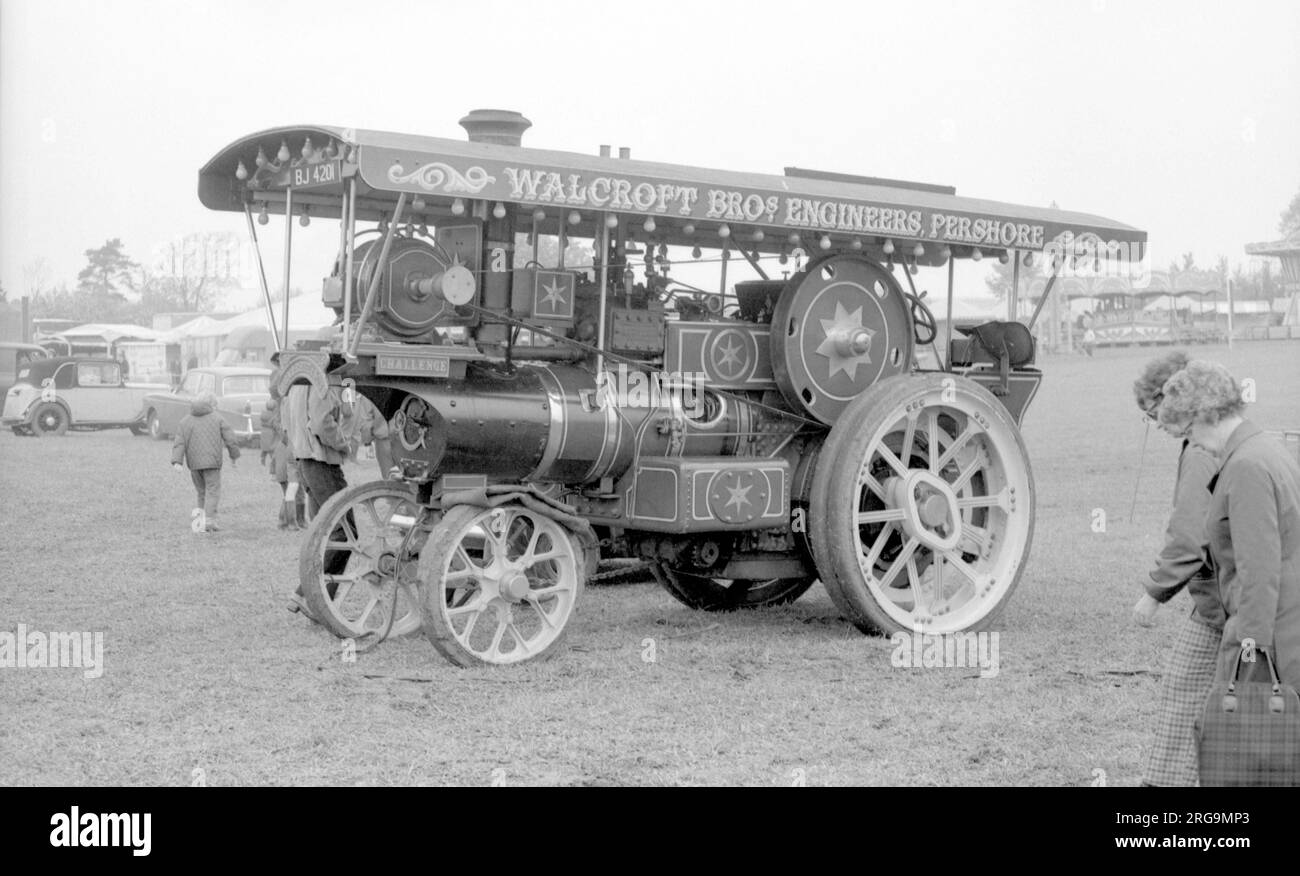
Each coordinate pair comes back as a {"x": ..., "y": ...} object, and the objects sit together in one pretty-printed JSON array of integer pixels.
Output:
[
  {"x": 1253, "y": 525},
  {"x": 318, "y": 427},
  {"x": 1189, "y": 669},
  {"x": 199, "y": 439}
]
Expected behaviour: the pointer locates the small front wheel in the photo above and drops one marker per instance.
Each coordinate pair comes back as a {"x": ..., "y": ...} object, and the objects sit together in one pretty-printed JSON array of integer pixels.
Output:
[{"x": 358, "y": 564}]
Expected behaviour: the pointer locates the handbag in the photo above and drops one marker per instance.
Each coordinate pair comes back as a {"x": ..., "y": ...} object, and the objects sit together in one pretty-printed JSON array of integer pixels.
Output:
[{"x": 1249, "y": 732}]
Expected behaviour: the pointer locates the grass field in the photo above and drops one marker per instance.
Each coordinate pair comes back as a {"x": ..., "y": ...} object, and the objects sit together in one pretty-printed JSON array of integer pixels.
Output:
[{"x": 206, "y": 670}]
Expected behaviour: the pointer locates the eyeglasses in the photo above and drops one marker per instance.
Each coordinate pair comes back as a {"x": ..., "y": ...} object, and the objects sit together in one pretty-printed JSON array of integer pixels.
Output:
[{"x": 1152, "y": 411}]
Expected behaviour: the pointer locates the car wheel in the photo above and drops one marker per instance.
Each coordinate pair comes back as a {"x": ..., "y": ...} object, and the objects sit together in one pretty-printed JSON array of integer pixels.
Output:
[
  {"x": 155, "y": 427},
  {"x": 138, "y": 429},
  {"x": 49, "y": 419}
]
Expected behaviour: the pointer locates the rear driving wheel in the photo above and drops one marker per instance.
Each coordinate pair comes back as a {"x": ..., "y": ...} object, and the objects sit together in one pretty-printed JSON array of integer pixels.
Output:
[
  {"x": 49, "y": 419},
  {"x": 922, "y": 506}
]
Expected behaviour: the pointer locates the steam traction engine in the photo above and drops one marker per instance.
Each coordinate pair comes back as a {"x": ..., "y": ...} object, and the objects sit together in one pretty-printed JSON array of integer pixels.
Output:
[{"x": 559, "y": 381}]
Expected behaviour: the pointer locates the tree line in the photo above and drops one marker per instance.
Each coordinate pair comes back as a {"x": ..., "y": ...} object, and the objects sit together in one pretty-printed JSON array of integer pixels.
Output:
[{"x": 187, "y": 276}]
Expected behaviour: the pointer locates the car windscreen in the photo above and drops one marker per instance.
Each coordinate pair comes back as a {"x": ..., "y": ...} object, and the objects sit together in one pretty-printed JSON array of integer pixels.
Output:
[{"x": 245, "y": 384}]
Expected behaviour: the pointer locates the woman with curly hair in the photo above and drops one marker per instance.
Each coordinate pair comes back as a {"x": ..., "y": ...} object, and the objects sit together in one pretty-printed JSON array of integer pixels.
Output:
[
  {"x": 1189, "y": 669},
  {"x": 1253, "y": 525}
]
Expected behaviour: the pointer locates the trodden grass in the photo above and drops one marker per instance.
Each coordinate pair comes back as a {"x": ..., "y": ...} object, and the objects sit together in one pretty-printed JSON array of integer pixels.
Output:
[{"x": 205, "y": 670}]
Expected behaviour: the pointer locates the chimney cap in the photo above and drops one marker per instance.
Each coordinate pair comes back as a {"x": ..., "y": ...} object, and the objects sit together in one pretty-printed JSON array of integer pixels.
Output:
[{"x": 504, "y": 127}]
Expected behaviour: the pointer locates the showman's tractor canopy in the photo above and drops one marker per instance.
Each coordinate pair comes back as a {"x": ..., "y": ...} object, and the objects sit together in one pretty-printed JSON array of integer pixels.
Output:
[{"x": 711, "y": 372}]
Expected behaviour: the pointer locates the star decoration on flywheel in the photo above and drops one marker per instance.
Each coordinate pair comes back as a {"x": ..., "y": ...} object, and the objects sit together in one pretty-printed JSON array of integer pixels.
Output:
[
  {"x": 554, "y": 296},
  {"x": 738, "y": 496},
  {"x": 843, "y": 322}
]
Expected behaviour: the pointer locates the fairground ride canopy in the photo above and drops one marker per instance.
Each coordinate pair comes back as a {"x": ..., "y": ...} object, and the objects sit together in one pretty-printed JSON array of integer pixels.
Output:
[{"x": 673, "y": 204}]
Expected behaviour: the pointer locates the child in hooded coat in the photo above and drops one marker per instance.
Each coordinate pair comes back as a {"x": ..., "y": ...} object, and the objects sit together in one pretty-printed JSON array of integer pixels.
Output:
[{"x": 198, "y": 443}]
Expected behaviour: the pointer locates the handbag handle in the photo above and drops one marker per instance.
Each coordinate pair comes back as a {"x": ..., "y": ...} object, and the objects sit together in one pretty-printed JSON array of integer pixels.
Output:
[{"x": 1276, "y": 704}]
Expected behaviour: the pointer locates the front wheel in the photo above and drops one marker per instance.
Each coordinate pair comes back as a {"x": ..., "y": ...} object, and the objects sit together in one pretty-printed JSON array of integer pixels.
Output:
[
  {"x": 358, "y": 563},
  {"x": 498, "y": 585},
  {"x": 155, "y": 427},
  {"x": 922, "y": 506}
]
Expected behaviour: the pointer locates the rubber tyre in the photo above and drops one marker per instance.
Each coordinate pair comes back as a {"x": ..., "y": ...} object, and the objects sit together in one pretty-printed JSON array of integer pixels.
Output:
[
  {"x": 834, "y": 532},
  {"x": 49, "y": 419},
  {"x": 311, "y": 563},
  {"x": 154, "y": 427}
]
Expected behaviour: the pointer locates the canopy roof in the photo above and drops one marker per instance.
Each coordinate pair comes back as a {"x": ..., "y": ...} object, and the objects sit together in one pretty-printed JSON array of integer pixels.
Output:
[
  {"x": 109, "y": 333},
  {"x": 688, "y": 204}
]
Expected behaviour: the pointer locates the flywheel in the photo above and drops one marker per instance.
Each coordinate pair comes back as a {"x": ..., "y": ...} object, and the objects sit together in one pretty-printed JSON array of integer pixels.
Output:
[{"x": 840, "y": 326}]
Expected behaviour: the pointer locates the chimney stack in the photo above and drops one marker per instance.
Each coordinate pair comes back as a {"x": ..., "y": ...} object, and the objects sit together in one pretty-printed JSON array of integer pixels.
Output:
[{"x": 504, "y": 127}]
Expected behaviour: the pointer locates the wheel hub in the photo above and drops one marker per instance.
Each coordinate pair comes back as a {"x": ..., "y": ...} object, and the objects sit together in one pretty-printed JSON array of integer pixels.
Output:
[
  {"x": 386, "y": 565},
  {"x": 930, "y": 510},
  {"x": 514, "y": 586}
]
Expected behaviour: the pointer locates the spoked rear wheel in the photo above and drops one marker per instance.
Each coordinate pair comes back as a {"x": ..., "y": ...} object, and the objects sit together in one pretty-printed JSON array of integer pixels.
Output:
[
  {"x": 726, "y": 594},
  {"x": 359, "y": 562},
  {"x": 922, "y": 507},
  {"x": 498, "y": 585}
]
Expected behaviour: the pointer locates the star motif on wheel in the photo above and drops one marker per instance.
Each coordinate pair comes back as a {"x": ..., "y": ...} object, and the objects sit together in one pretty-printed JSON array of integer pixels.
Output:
[
  {"x": 843, "y": 323},
  {"x": 732, "y": 360},
  {"x": 554, "y": 297}
]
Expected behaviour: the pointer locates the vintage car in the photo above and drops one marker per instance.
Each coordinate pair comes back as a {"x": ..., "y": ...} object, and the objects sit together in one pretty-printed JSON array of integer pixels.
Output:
[
  {"x": 51, "y": 396},
  {"x": 15, "y": 357},
  {"x": 241, "y": 394}
]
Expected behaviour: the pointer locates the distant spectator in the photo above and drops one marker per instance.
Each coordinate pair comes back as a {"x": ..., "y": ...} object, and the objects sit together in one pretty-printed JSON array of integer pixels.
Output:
[
  {"x": 284, "y": 469},
  {"x": 199, "y": 439}
]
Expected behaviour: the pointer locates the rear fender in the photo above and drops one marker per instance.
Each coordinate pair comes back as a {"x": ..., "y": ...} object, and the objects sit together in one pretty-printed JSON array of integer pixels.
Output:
[{"x": 1022, "y": 386}]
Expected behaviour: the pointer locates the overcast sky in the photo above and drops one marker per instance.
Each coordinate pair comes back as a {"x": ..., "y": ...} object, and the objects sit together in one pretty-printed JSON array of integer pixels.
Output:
[{"x": 1178, "y": 117}]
